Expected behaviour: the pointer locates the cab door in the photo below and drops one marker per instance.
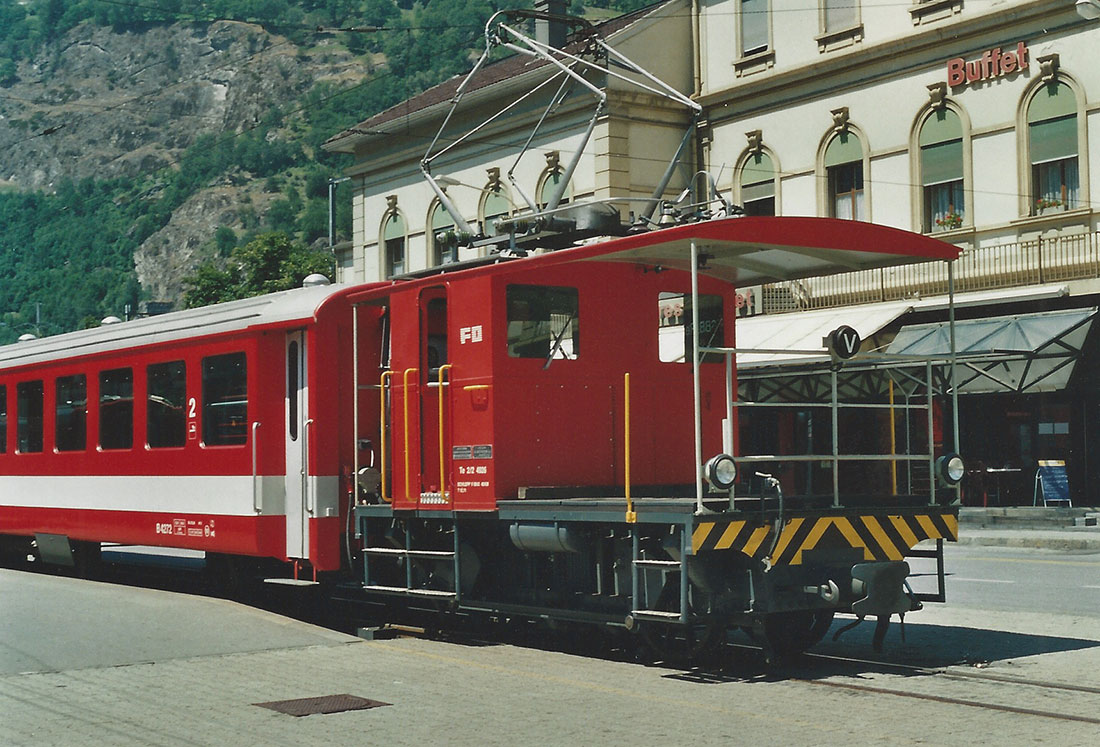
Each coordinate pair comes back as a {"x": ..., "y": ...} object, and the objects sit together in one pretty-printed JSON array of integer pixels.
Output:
[
  {"x": 434, "y": 398},
  {"x": 299, "y": 505}
]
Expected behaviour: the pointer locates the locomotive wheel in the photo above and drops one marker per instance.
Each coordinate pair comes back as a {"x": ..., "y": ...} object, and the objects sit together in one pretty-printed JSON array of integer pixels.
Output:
[
  {"x": 680, "y": 643},
  {"x": 790, "y": 633}
]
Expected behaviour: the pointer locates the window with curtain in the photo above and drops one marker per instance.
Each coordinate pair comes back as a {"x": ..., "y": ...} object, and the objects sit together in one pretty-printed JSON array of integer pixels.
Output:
[
  {"x": 441, "y": 222},
  {"x": 754, "y": 27},
  {"x": 393, "y": 240},
  {"x": 844, "y": 171},
  {"x": 941, "y": 169},
  {"x": 1052, "y": 146},
  {"x": 758, "y": 185}
]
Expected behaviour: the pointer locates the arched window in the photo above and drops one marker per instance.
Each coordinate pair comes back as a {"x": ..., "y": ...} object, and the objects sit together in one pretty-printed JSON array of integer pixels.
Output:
[
  {"x": 440, "y": 221},
  {"x": 393, "y": 243},
  {"x": 1052, "y": 148},
  {"x": 844, "y": 170},
  {"x": 551, "y": 182},
  {"x": 496, "y": 205},
  {"x": 941, "y": 169},
  {"x": 758, "y": 184}
]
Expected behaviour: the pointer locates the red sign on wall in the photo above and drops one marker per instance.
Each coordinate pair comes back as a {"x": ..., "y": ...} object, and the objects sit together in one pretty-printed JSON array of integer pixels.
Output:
[{"x": 993, "y": 63}]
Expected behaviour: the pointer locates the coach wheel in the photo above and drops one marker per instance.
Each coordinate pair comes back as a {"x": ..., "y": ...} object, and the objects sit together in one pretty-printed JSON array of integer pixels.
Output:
[
  {"x": 682, "y": 643},
  {"x": 790, "y": 633}
]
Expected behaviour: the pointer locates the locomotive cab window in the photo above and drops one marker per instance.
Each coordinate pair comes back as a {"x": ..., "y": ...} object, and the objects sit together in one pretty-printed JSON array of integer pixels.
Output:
[
  {"x": 116, "y": 408},
  {"x": 165, "y": 405},
  {"x": 674, "y": 326},
  {"x": 28, "y": 411},
  {"x": 71, "y": 413},
  {"x": 224, "y": 400},
  {"x": 542, "y": 322}
]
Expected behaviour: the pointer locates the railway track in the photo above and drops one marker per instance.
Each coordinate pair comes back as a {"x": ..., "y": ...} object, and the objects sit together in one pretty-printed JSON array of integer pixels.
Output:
[{"x": 984, "y": 690}]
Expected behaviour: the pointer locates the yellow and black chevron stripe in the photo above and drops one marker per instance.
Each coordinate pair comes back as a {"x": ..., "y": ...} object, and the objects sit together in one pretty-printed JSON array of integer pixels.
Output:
[{"x": 881, "y": 537}]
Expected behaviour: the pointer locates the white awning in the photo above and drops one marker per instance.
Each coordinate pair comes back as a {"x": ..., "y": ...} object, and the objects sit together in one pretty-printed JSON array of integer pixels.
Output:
[
  {"x": 803, "y": 331},
  {"x": 1024, "y": 353}
]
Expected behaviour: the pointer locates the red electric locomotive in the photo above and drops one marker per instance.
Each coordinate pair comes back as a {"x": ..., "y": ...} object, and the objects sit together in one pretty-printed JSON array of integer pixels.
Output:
[{"x": 544, "y": 436}]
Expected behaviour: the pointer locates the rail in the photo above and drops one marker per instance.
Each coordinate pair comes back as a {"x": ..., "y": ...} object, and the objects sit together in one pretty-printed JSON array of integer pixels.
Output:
[
  {"x": 257, "y": 496},
  {"x": 405, "y": 408},
  {"x": 872, "y": 363},
  {"x": 442, "y": 473},
  {"x": 383, "y": 472},
  {"x": 993, "y": 267}
]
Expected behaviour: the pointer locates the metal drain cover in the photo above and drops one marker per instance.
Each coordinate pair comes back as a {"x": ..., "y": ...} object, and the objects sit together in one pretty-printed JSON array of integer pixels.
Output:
[{"x": 323, "y": 704}]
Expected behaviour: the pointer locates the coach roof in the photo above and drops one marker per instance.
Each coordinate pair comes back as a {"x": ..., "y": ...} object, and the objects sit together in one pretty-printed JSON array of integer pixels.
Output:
[{"x": 298, "y": 305}]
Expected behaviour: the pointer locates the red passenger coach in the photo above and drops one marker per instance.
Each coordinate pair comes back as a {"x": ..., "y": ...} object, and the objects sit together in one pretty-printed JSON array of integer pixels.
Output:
[{"x": 215, "y": 429}]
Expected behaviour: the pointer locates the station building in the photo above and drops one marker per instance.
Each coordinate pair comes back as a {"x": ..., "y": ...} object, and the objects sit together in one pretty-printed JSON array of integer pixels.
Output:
[{"x": 975, "y": 122}]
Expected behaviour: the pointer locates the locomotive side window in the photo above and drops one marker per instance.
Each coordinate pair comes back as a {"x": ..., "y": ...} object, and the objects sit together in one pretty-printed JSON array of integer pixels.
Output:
[
  {"x": 542, "y": 322},
  {"x": 28, "y": 410},
  {"x": 674, "y": 326},
  {"x": 116, "y": 408},
  {"x": 71, "y": 413},
  {"x": 164, "y": 406},
  {"x": 224, "y": 400},
  {"x": 3, "y": 420}
]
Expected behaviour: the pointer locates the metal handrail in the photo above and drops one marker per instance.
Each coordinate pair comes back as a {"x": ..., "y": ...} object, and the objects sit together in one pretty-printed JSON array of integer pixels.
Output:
[
  {"x": 257, "y": 497},
  {"x": 310, "y": 501},
  {"x": 442, "y": 475},
  {"x": 405, "y": 408},
  {"x": 382, "y": 434}
]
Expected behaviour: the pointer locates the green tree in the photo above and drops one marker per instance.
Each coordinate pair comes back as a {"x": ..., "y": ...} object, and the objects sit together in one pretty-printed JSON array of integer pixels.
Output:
[{"x": 269, "y": 263}]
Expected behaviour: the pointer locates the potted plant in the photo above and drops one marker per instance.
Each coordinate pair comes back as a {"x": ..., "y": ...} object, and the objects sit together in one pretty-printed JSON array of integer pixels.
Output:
[
  {"x": 949, "y": 221},
  {"x": 1046, "y": 203}
]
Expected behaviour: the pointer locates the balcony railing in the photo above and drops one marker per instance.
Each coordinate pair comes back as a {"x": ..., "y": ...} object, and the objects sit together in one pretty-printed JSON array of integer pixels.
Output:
[{"x": 1009, "y": 265}]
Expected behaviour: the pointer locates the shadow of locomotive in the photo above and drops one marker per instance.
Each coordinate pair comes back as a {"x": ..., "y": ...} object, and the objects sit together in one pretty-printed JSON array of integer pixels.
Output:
[{"x": 925, "y": 647}]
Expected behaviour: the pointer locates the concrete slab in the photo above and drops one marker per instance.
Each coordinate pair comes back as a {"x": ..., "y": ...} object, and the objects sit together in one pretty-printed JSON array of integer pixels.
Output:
[{"x": 54, "y": 623}]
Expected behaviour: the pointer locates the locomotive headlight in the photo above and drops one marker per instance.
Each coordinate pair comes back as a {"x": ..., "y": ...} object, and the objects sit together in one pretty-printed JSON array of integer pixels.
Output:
[
  {"x": 721, "y": 471},
  {"x": 950, "y": 469}
]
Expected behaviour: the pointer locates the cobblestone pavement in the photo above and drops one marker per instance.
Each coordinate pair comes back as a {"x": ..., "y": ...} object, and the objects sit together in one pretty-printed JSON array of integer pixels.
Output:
[{"x": 449, "y": 693}]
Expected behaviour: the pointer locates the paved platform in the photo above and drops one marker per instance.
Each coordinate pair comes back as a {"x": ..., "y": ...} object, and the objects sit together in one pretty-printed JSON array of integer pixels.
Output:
[{"x": 91, "y": 664}]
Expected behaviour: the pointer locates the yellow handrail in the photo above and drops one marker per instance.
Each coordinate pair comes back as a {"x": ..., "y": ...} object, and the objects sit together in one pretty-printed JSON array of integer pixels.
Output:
[
  {"x": 405, "y": 405},
  {"x": 631, "y": 515},
  {"x": 382, "y": 432},
  {"x": 442, "y": 478}
]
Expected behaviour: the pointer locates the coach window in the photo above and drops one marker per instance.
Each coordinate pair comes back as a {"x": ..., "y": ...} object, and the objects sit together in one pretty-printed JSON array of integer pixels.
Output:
[
  {"x": 3, "y": 420},
  {"x": 116, "y": 408},
  {"x": 165, "y": 405},
  {"x": 674, "y": 335},
  {"x": 224, "y": 400},
  {"x": 28, "y": 411},
  {"x": 542, "y": 322},
  {"x": 71, "y": 413}
]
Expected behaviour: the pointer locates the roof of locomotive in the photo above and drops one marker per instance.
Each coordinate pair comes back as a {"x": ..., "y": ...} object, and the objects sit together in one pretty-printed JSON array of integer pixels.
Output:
[
  {"x": 743, "y": 251},
  {"x": 297, "y": 305}
]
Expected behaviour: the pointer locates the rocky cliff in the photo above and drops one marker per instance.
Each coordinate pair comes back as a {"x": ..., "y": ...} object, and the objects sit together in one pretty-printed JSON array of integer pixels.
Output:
[{"x": 106, "y": 103}]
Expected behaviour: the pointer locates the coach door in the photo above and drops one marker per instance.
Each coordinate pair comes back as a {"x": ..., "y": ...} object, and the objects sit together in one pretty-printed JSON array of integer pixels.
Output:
[
  {"x": 298, "y": 500},
  {"x": 434, "y": 450}
]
